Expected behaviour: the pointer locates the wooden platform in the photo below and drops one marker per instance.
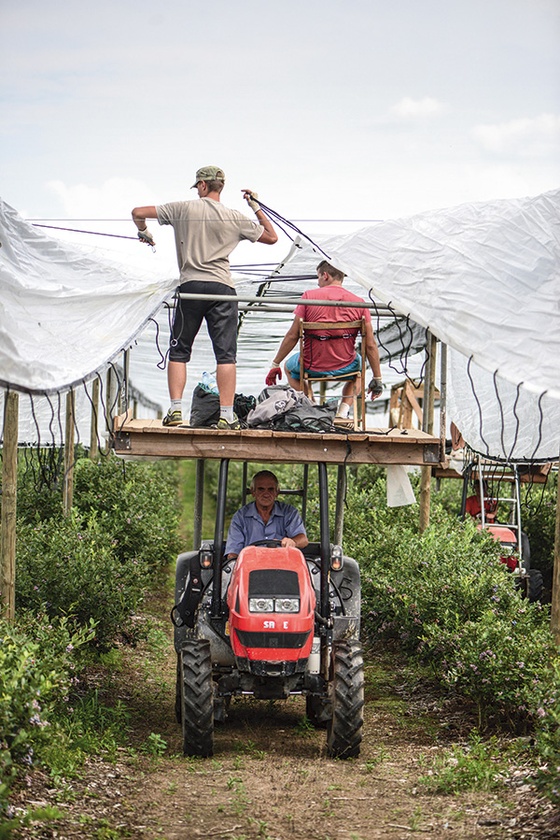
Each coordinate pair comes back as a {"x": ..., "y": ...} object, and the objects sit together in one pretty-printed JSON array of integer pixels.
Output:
[{"x": 149, "y": 439}]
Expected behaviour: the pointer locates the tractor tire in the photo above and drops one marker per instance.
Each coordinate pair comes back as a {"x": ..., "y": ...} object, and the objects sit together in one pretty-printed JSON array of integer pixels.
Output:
[
  {"x": 344, "y": 729},
  {"x": 197, "y": 698},
  {"x": 178, "y": 694},
  {"x": 318, "y": 710},
  {"x": 536, "y": 586},
  {"x": 525, "y": 551}
]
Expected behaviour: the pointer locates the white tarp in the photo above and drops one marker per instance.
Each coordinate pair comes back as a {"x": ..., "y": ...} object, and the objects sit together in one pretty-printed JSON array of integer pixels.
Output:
[
  {"x": 64, "y": 314},
  {"x": 485, "y": 279}
]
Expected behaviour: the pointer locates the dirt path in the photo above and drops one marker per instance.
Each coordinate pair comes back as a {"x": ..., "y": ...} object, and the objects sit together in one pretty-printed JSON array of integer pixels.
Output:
[{"x": 269, "y": 778}]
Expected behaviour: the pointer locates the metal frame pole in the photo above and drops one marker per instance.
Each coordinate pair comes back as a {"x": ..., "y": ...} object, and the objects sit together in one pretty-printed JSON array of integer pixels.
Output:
[{"x": 198, "y": 503}]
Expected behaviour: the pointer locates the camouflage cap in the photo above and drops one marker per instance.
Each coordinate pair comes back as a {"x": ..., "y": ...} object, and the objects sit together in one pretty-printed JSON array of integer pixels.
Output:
[{"x": 209, "y": 173}]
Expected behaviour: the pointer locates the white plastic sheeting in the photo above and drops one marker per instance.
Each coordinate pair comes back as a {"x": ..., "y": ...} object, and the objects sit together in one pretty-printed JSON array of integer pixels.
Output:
[
  {"x": 64, "y": 314},
  {"x": 485, "y": 279}
]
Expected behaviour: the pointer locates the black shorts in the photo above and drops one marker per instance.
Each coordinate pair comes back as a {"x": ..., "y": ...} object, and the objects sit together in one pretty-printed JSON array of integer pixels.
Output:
[{"x": 220, "y": 317}]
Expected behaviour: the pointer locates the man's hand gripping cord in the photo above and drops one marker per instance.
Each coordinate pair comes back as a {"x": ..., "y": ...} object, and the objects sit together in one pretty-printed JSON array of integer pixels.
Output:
[{"x": 146, "y": 236}]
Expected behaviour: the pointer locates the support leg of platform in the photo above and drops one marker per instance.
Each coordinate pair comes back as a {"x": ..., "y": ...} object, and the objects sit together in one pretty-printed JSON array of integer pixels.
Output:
[{"x": 198, "y": 503}]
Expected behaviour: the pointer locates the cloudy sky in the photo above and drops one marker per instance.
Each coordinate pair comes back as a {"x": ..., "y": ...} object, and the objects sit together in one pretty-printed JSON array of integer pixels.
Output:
[
  {"x": 362, "y": 109},
  {"x": 340, "y": 110}
]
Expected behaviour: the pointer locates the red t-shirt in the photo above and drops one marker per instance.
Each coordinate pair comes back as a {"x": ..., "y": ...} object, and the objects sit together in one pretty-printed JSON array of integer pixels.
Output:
[
  {"x": 474, "y": 508},
  {"x": 339, "y": 351}
]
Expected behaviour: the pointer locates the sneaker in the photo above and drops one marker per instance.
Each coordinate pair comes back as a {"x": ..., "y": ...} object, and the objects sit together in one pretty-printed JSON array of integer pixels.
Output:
[
  {"x": 172, "y": 418},
  {"x": 224, "y": 424}
]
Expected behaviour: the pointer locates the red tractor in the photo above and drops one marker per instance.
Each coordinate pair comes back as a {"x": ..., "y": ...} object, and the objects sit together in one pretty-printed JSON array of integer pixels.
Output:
[
  {"x": 273, "y": 623},
  {"x": 484, "y": 504}
]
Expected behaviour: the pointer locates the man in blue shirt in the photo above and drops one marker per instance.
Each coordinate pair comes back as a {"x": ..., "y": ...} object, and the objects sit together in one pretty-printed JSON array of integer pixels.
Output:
[{"x": 265, "y": 518}]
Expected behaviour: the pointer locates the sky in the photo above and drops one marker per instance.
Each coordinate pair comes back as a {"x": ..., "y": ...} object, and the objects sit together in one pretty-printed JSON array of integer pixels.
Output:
[
  {"x": 333, "y": 112},
  {"x": 363, "y": 109}
]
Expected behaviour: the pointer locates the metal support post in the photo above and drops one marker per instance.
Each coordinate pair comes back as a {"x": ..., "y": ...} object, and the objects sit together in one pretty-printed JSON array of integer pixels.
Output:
[
  {"x": 198, "y": 503},
  {"x": 68, "y": 487},
  {"x": 341, "y": 486}
]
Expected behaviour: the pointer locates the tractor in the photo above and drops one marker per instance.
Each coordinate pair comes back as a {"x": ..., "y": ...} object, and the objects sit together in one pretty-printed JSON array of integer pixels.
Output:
[
  {"x": 273, "y": 623},
  {"x": 513, "y": 540}
]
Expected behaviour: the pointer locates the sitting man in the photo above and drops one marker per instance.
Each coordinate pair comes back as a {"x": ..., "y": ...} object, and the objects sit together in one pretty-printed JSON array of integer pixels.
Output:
[
  {"x": 338, "y": 354},
  {"x": 265, "y": 518}
]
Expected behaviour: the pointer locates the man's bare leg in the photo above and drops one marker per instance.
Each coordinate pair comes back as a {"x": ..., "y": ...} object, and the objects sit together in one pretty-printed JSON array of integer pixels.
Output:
[
  {"x": 176, "y": 379},
  {"x": 226, "y": 379},
  {"x": 293, "y": 383}
]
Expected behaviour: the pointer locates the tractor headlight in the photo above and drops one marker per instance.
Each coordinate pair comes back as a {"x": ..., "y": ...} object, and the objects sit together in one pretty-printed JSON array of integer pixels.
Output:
[
  {"x": 206, "y": 555},
  {"x": 336, "y": 558},
  {"x": 286, "y": 605},
  {"x": 261, "y": 605}
]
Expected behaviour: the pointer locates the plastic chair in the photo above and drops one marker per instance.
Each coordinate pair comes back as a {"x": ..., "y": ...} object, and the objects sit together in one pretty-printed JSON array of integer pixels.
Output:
[{"x": 308, "y": 378}]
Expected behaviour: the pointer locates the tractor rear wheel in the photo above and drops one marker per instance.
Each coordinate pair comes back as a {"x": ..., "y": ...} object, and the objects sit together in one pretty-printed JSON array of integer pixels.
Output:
[
  {"x": 178, "y": 692},
  {"x": 536, "y": 586},
  {"x": 197, "y": 698},
  {"x": 344, "y": 729}
]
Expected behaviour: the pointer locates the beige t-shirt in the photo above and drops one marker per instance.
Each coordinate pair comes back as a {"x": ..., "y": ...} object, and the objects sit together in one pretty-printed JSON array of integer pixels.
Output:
[{"x": 206, "y": 233}]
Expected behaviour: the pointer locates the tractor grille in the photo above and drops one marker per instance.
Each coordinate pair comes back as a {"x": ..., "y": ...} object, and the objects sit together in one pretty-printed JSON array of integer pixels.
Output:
[
  {"x": 250, "y": 639},
  {"x": 273, "y": 583}
]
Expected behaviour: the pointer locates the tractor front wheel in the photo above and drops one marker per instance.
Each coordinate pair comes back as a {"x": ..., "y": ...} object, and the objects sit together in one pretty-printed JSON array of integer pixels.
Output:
[
  {"x": 197, "y": 698},
  {"x": 344, "y": 730},
  {"x": 318, "y": 711}
]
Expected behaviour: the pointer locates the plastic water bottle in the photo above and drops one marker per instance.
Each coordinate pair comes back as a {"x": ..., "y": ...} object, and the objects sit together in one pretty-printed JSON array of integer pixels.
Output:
[{"x": 209, "y": 382}]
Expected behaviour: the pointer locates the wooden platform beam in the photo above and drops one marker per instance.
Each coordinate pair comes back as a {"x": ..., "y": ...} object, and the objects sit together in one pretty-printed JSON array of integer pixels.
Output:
[{"x": 149, "y": 439}]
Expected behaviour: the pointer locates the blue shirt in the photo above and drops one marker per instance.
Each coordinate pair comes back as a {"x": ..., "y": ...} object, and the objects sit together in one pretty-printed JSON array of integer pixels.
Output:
[{"x": 247, "y": 526}]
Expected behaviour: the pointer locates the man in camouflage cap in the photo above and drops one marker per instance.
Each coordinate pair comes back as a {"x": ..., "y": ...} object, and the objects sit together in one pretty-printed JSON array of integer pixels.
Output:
[{"x": 206, "y": 232}]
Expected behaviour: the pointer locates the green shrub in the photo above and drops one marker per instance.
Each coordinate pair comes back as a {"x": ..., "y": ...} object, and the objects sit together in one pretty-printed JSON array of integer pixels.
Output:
[
  {"x": 136, "y": 503},
  {"x": 539, "y": 515},
  {"x": 548, "y": 734},
  {"x": 66, "y": 568},
  {"x": 39, "y": 484},
  {"x": 38, "y": 665},
  {"x": 448, "y": 600}
]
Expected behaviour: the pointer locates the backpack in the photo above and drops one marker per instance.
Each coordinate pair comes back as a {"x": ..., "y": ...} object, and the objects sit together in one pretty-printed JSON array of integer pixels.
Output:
[{"x": 272, "y": 404}]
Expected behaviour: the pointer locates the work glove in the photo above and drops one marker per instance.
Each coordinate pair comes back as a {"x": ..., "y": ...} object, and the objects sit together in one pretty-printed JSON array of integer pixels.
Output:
[
  {"x": 146, "y": 236},
  {"x": 251, "y": 199},
  {"x": 375, "y": 387},
  {"x": 273, "y": 374}
]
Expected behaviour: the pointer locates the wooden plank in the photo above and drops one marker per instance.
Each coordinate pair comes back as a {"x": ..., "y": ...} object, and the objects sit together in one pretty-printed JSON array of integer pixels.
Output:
[
  {"x": 528, "y": 474},
  {"x": 148, "y": 438}
]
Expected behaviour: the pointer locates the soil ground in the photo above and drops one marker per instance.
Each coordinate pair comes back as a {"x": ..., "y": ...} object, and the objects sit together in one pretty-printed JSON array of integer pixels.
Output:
[{"x": 270, "y": 779}]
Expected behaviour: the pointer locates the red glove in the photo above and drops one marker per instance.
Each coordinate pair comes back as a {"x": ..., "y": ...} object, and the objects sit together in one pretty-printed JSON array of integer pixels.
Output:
[{"x": 273, "y": 374}]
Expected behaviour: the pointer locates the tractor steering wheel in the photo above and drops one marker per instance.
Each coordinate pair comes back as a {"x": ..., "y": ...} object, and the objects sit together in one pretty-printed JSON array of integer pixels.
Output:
[{"x": 268, "y": 543}]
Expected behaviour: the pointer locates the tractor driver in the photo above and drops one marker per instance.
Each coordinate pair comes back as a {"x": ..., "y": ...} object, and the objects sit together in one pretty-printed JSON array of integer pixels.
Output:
[{"x": 265, "y": 518}]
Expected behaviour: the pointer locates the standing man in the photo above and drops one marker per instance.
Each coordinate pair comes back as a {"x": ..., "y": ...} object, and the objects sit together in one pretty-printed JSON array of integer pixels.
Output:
[
  {"x": 265, "y": 518},
  {"x": 206, "y": 233},
  {"x": 336, "y": 355}
]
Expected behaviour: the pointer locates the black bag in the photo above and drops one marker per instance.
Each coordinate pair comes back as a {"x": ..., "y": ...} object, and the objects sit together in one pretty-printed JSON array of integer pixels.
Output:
[
  {"x": 307, "y": 417},
  {"x": 242, "y": 405},
  {"x": 205, "y": 407}
]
